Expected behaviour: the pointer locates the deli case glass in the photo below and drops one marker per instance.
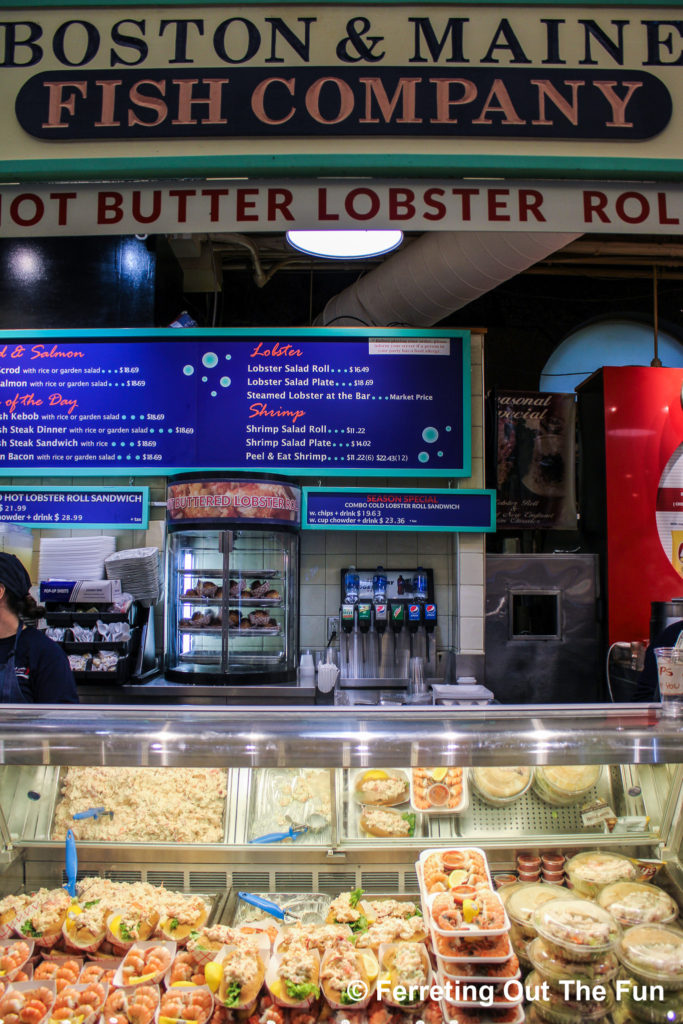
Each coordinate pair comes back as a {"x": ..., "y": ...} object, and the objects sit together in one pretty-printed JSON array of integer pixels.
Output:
[
  {"x": 209, "y": 806},
  {"x": 232, "y": 579}
]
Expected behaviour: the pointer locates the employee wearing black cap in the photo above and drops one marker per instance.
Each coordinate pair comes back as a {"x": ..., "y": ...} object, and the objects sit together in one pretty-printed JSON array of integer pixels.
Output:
[{"x": 33, "y": 668}]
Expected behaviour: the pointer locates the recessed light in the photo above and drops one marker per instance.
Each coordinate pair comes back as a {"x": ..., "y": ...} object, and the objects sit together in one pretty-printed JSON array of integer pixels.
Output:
[{"x": 344, "y": 245}]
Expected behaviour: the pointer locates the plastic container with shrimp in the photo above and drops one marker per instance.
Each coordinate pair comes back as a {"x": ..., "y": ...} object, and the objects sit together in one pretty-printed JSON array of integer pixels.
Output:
[
  {"x": 438, "y": 795},
  {"x": 466, "y": 929},
  {"x": 450, "y": 857},
  {"x": 181, "y": 997},
  {"x": 449, "y": 972},
  {"x": 152, "y": 977},
  {"x": 28, "y": 991},
  {"x": 450, "y": 1010},
  {"x": 477, "y": 953},
  {"x": 19, "y": 951}
]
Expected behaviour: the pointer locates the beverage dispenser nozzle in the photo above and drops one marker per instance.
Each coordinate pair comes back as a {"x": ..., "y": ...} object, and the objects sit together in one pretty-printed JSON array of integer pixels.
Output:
[
  {"x": 414, "y": 620},
  {"x": 364, "y": 623},
  {"x": 430, "y": 625},
  {"x": 380, "y": 629},
  {"x": 397, "y": 618}
]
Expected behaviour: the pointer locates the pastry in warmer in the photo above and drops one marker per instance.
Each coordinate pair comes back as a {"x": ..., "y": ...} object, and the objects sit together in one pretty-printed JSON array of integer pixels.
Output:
[
  {"x": 245, "y": 623},
  {"x": 219, "y": 593},
  {"x": 259, "y": 618},
  {"x": 234, "y": 619},
  {"x": 191, "y": 593},
  {"x": 205, "y": 588},
  {"x": 273, "y": 595}
]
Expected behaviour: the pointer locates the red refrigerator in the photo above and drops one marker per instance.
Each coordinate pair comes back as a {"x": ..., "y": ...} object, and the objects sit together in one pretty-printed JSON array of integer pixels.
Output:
[{"x": 631, "y": 489}]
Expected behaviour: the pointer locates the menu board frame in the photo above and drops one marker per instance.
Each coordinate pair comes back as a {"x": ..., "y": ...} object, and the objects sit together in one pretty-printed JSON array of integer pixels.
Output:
[
  {"x": 451, "y": 394},
  {"x": 70, "y": 521},
  {"x": 428, "y": 493}
]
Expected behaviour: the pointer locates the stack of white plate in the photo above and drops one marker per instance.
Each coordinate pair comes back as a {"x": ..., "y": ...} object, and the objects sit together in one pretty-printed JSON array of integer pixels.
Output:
[
  {"x": 74, "y": 558},
  {"x": 139, "y": 570}
]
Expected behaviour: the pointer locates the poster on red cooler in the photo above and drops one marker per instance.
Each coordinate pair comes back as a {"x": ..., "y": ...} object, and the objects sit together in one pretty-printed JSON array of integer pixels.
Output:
[{"x": 535, "y": 460}]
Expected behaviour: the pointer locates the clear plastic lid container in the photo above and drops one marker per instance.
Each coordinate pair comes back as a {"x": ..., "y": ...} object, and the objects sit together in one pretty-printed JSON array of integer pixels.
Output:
[
  {"x": 527, "y": 898},
  {"x": 553, "y": 1006},
  {"x": 501, "y": 786},
  {"x": 554, "y": 966},
  {"x": 637, "y": 903},
  {"x": 643, "y": 1002},
  {"x": 653, "y": 954},
  {"x": 580, "y": 929},
  {"x": 591, "y": 871},
  {"x": 565, "y": 784}
]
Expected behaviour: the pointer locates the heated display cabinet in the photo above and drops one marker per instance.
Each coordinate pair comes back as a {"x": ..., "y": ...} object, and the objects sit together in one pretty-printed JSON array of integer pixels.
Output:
[{"x": 232, "y": 580}]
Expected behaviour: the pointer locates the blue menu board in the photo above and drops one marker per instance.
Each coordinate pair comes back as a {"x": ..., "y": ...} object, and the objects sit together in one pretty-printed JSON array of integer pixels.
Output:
[
  {"x": 319, "y": 401},
  {"x": 125, "y": 508},
  {"x": 361, "y": 508}
]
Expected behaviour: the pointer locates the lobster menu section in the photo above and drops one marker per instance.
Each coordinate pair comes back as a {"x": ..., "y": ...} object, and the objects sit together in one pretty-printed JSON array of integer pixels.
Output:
[{"x": 389, "y": 402}]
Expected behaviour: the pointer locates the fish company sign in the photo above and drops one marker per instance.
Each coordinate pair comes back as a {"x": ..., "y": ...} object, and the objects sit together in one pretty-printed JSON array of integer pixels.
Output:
[{"x": 181, "y": 84}]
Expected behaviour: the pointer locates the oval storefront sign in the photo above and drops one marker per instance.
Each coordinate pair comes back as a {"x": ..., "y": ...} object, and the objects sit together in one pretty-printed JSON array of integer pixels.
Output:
[{"x": 211, "y": 103}]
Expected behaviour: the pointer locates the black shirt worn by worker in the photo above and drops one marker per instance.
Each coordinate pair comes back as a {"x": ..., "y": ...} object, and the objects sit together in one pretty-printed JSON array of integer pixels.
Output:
[
  {"x": 42, "y": 668},
  {"x": 648, "y": 682}
]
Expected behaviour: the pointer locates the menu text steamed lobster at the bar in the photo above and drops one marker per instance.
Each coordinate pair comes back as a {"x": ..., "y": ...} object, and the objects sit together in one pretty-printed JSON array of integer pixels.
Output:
[{"x": 322, "y": 401}]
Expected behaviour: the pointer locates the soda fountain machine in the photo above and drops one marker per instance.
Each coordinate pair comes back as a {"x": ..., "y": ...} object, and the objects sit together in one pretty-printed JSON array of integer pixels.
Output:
[{"x": 387, "y": 617}]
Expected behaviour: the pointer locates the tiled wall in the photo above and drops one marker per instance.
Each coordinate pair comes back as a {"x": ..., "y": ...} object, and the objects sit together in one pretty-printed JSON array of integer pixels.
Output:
[{"x": 456, "y": 559}]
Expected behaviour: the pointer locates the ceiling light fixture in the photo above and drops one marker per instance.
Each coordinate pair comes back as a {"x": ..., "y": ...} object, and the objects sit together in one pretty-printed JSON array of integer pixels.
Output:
[{"x": 345, "y": 245}]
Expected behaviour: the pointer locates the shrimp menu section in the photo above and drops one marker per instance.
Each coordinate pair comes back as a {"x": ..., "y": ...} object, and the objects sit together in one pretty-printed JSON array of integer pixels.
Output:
[{"x": 385, "y": 402}]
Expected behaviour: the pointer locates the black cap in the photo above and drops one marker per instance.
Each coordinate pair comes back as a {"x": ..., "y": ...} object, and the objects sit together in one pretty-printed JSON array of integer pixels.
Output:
[{"x": 14, "y": 575}]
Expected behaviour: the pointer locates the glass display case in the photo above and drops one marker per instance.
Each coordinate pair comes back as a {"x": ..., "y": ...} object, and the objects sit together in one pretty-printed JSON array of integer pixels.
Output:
[
  {"x": 268, "y": 770},
  {"x": 232, "y": 580}
]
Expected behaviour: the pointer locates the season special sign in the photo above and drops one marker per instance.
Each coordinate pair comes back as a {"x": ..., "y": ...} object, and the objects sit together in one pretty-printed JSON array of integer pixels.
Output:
[
  {"x": 356, "y": 508},
  {"x": 327, "y": 401},
  {"x": 123, "y": 508}
]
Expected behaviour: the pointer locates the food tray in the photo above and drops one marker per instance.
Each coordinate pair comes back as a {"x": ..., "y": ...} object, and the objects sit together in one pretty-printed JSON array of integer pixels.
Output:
[
  {"x": 255, "y": 631},
  {"x": 310, "y": 907},
  {"x": 443, "y": 811},
  {"x": 484, "y": 1017},
  {"x": 515, "y": 998},
  {"x": 502, "y": 957},
  {"x": 468, "y": 931},
  {"x": 267, "y": 813},
  {"x": 448, "y": 849},
  {"x": 352, "y": 815},
  {"x": 443, "y": 966},
  {"x": 396, "y": 773},
  {"x": 211, "y": 900}
]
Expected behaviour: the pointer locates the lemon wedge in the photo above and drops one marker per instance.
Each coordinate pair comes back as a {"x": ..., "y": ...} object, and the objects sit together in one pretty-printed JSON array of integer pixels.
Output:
[
  {"x": 470, "y": 909},
  {"x": 457, "y": 877},
  {"x": 167, "y": 1020},
  {"x": 183, "y": 984},
  {"x": 277, "y": 988},
  {"x": 142, "y": 977},
  {"x": 370, "y": 966},
  {"x": 212, "y": 974},
  {"x": 439, "y": 774},
  {"x": 367, "y": 912},
  {"x": 115, "y": 924},
  {"x": 374, "y": 774}
]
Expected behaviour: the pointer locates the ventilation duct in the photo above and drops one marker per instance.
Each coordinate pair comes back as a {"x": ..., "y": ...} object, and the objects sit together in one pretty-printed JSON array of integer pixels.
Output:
[{"x": 435, "y": 275}]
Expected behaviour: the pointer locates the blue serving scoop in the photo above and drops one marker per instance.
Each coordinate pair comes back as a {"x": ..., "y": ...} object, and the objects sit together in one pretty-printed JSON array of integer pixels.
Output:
[
  {"x": 267, "y": 905},
  {"x": 277, "y": 837},
  {"x": 71, "y": 864},
  {"x": 92, "y": 812}
]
